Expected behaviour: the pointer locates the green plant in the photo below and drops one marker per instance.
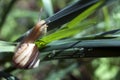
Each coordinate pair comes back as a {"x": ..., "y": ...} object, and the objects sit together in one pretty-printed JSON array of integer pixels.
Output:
[{"x": 59, "y": 44}]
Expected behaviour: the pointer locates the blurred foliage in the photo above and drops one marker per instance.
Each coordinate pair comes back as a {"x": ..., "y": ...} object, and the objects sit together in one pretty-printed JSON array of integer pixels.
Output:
[{"x": 24, "y": 14}]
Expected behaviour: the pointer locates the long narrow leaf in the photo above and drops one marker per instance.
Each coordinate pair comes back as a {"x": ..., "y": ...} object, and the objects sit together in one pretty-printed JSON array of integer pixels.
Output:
[
  {"x": 6, "y": 46},
  {"x": 71, "y": 28}
]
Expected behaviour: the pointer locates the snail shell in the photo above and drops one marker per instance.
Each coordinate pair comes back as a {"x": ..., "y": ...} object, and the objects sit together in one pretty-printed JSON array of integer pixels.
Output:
[{"x": 27, "y": 54}]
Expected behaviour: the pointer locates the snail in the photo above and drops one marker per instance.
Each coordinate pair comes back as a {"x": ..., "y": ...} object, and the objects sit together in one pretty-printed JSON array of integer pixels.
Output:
[{"x": 27, "y": 54}]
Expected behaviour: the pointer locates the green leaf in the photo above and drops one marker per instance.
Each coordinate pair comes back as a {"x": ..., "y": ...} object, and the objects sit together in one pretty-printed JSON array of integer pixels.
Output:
[
  {"x": 64, "y": 33},
  {"x": 6, "y": 47},
  {"x": 84, "y": 15},
  {"x": 72, "y": 27},
  {"x": 48, "y": 7},
  {"x": 106, "y": 18}
]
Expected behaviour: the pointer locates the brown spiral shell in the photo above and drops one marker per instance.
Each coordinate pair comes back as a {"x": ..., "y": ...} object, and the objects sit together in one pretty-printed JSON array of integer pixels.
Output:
[{"x": 27, "y": 54}]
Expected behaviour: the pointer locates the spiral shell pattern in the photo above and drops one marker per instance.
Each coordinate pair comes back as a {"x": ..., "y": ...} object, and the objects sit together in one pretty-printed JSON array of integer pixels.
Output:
[{"x": 26, "y": 56}]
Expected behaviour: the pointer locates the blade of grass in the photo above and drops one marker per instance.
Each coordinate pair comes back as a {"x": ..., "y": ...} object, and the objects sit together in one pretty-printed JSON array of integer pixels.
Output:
[
  {"x": 83, "y": 48},
  {"x": 7, "y": 47},
  {"x": 48, "y": 6},
  {"x": 71, "y": 28},
  {"x": 84, "y": 15},
  {"x": 82, "y": 43},
  {"x": 65, "y": 33},
  {"x": 106, "y": 18}
]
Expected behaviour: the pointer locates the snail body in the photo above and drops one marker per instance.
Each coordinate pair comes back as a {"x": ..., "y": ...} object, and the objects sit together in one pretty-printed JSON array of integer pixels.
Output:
[{"x": 27, "y": 54}]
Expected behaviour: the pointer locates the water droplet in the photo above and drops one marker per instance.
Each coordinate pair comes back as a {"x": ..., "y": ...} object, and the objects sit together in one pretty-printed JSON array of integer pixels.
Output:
[
  {"x": 52, "y": 53},
  {"x": 90, "y": 49},
  {"x": 82, "y": 52},
  {"x": 81, "y": 49}
]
